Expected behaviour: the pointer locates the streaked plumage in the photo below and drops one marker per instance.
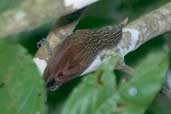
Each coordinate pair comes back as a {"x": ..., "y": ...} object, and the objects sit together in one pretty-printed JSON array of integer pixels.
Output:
[{"x": 77, "y": 52}]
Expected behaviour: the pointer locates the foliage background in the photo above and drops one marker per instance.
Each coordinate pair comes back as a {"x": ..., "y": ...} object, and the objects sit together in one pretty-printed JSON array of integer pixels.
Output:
[{"x": 23, "y": 78}]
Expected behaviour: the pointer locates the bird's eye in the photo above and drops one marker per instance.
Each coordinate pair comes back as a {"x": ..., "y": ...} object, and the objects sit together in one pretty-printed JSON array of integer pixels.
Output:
[{"x": 60, "y": 74}]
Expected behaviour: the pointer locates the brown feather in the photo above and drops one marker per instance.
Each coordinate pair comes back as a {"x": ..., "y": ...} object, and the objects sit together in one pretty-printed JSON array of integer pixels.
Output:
[{"x": 77, "y": 52}]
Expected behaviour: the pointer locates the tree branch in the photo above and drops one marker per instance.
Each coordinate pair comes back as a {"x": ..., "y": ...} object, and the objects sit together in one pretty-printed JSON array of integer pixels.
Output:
[
  {"x": 145, "y": 28},
  {"x": 134, "y": 35},
  {"x": 31, "y": 14}
]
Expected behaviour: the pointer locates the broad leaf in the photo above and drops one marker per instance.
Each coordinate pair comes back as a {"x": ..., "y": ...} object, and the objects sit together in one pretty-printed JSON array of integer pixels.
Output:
[
  {"x": 21, "y": 86},
  {"x": 94, "y": 94},
  {"x": 131, "y": 97}
]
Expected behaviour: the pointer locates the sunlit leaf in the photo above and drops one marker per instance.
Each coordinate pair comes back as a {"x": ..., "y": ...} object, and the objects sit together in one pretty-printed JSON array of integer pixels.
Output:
[
  {"x": 21, "y": 87},
  {"x": 131, "y": 97},
  {"x": 95, "y": 93}
]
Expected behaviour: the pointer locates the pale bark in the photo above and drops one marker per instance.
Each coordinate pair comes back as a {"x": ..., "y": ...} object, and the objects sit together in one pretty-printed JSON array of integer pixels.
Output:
[
  {"x": 135, "y": 33},
  {"x": 30, "y": 14},
  {"x": 145, "y": 28}
]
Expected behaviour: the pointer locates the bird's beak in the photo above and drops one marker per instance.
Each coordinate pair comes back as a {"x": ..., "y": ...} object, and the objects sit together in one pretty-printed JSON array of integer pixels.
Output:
[{"x": 51, "y": 84}]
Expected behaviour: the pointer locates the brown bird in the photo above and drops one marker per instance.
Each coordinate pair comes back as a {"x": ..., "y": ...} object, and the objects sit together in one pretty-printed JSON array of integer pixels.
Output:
[{"x": 75, "y": 54}]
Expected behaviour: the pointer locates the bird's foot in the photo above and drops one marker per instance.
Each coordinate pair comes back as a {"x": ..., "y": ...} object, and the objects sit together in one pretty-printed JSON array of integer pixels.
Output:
[{"x": 126, "y": 69}]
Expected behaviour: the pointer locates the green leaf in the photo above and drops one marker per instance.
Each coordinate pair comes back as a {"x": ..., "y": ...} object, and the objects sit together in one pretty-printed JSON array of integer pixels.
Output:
[
  {"x": 21, "y": 87},
  {"x": 138, "y": 93},
  {"x": 94, "y": 94},
  {"x": 131, "y": 97},
  {"x": 161, "y": 105}
]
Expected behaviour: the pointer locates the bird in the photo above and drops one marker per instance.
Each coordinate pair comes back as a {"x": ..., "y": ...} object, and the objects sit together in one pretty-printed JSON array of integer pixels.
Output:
[{"x": 77, "y": 51}]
